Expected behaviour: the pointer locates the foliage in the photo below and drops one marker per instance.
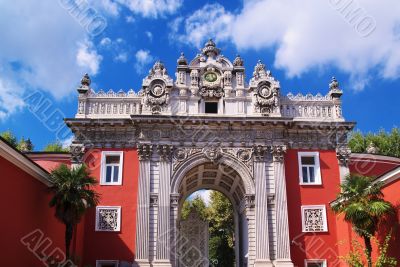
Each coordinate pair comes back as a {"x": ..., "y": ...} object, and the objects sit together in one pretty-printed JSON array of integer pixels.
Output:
[
  {"x": 388, "y": 144},
  {"x": 361, "y": 201},
  {"x": 196, "y": 204},
  {"x": 55, "y": 147},
  {"x": 355, "y": 256},
  {"x": 219, "y": 214},
  {"x": 72, "y": 196},
  {"x": 10, "y": 138},
  {"x": 25, "y": 145},
  {"x": 221, "y": 229}
]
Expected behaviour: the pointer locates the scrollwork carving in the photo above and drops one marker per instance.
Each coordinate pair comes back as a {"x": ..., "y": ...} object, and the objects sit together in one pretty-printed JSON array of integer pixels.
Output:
[
  {"x": 77, "y": 151},
  {"x": 145, "y": 151},
  {"x": 278, "y": 152}
]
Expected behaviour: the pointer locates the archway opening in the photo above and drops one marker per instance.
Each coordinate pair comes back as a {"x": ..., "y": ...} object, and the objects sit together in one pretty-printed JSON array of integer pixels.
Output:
[{"x": 222, "y": 214}]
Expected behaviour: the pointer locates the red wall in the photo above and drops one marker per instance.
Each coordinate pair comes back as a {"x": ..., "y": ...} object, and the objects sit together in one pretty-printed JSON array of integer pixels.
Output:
[
  {"x": 113, "y": 245},
  {"x": 321, "y": 245},
  {"x": 26, "y": 209}
]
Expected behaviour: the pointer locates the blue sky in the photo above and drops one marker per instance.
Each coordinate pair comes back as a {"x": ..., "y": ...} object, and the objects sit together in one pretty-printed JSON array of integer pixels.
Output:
[{"x": 47, "y": 46}]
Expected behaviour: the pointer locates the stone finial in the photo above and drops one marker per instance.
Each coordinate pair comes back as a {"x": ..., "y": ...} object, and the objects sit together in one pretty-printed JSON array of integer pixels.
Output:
[
  {"x": 85, "y": 83},
  {"x": 372, "y": 149},
  {"x": 238, "y": 62},
  {"x": 182, "y": 60},
  {"x": 25, "y": 145},
  {"x": 210, "y": 49},
  {"x": 334, "y": 89},
  {"x": 334, "y": 84}
]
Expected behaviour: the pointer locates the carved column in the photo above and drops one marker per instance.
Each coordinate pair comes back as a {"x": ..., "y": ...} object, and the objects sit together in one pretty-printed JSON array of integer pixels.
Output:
[
  {"x": 163, "y": 231},
  {"x": 282, "y": 222},
  {"x": 174, "y": 231},
  {"x": 343, "y": 154},
  {"x": 249, "y": 209},
  {"x": 142, "y": 221},
  {"x": 261, "y": 202}
]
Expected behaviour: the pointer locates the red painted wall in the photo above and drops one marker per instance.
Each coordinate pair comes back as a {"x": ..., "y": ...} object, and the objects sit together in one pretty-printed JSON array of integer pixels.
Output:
[
  {"x": 321, "y": 245},
  {"x": 113, "y": 245},
  {"x": 26, "y": 209}
]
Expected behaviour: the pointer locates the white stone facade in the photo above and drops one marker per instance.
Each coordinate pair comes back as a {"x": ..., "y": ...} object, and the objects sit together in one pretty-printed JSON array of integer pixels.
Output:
[{"x": 210, "y": 129}]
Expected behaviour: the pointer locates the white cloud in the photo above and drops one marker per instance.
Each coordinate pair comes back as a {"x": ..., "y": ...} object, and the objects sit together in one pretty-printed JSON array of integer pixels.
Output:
[
  {"x": 87, "y": 57},
  {"x": 152, "y": 8},
  {"x": 11, "y": 99},
  {"x": 108, "y": 6},
  {"x": 117, "y": 48},
  {"x": 203, "y": 194},
  {"x": 130, "y": 19},
  {"x": 359, "y": 40},
  {"x": 40, "y": 44},
  {"x": 143, "y": 59},
  {"x": 105, "y": 42},
  {"x": 149, "y": 35},
  {"x": 121, "y": 57}
]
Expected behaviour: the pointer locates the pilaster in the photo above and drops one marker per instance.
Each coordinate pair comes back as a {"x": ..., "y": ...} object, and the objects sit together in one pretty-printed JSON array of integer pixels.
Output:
[
  {"x": 343, "y": 154},
  {"x": 142, "y": 221},
  {"x": 249, "y": 210},
  {"x": 261, "y": 208},
  {"x": 162, "y": 258},
  {"x": 282, "y": 222},
  {"x": 174, "y": 231}
]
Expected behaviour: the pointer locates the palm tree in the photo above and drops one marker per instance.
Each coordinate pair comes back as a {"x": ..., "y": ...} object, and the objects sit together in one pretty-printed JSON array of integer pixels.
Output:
[
  {"x": 361, "y": 201},
  {"x": 73, "y": 195}
]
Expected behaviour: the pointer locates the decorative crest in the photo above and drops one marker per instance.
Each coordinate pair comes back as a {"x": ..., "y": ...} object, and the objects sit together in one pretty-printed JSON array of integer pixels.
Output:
[
  {"x": 260, "y": 71},
  {"x": 238, "y": 62},
  {"x": 158, "y": 70},
  {"x": 210, "y": 49}
]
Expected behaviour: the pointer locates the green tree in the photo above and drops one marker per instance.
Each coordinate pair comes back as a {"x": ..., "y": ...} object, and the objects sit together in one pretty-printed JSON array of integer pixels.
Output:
[
  {"x": 221, "y": 229},
  {"x": 197, "y": 204},
  {"x": 55, "y": 147},
  {"x": 10, "y": 138},
  {"x": 72, "y": 196},
  {"x": 361, "y": 201},
  {"x": 388, "y": 144},
  {"x": 219, "y": 214}
]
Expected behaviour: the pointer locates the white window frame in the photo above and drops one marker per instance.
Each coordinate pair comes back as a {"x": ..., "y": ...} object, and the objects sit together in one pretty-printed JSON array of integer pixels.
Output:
[
  {"x": 100, "y": 262},
  {"x": 306, "y": 207},
  {"x": 323, "y": 261},
  {"x": 104, "y": 154},
  {"x": 317, "y": 168},
  {"x": 118, "y": 208}
]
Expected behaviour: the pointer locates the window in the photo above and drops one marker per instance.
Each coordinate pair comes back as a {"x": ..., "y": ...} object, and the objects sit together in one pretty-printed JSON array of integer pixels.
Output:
[
  {"x": 111, "y": 165},
  {"x": 309, "y": 170},
  {"x": 107, "y": 263},
  {"x": 211, "y": 107},
  {"x": 108, "y": 219},
  {"x": 315, "y": 263},
  {"x": 314, "y": 218}
]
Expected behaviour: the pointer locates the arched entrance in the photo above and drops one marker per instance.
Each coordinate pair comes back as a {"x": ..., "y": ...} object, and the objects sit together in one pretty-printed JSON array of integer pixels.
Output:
[{"x": 228, "y": 176}]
